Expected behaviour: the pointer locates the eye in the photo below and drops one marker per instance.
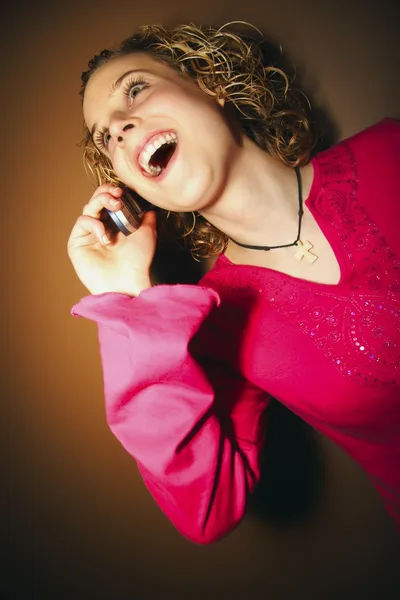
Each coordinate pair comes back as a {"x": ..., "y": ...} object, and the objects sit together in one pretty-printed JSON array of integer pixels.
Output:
[
  {"x": 133, "y": 87},
  {"x": 102, "y": 138}
]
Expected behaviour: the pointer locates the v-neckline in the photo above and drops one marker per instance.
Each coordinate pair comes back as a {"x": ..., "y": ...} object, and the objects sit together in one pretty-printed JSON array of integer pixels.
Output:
[{"x": 326, "y": 231}]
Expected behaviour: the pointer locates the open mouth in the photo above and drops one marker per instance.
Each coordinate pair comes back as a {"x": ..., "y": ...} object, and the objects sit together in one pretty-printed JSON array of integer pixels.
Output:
[{"x": 157, "y": 153}]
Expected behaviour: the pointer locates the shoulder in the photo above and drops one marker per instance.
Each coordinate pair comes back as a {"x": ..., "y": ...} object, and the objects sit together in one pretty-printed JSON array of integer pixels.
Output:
[
  {"x": 369, "y": 163},
  {"x": 219, "y": 272},
  {"x": 370, "y": 147},
  {"x": 383, "y": 136},
  {"x": 377, "y": 143},
  {"x": 387, "y": 129}
]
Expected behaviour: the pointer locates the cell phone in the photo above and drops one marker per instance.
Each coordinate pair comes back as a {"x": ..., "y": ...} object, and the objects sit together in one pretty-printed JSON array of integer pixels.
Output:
[{"x": 128, "y": 218}]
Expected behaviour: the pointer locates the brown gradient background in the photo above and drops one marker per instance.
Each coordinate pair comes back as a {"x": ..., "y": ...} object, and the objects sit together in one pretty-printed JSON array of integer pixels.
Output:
[{"x": 78, "y": 522}]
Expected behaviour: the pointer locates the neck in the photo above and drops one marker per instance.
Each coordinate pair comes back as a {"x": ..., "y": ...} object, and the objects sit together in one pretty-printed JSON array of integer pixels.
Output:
[{"x": 259, "y": 204}]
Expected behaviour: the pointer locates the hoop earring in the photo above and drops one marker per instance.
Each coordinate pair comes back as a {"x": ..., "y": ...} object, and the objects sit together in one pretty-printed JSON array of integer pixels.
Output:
[{"x": 193, "y": 226}]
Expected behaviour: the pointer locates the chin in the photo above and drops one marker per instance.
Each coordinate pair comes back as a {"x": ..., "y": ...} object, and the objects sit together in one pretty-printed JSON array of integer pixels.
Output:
[
  {"x": 198, "y": 193},
  {"x": 181, "y": 191}
]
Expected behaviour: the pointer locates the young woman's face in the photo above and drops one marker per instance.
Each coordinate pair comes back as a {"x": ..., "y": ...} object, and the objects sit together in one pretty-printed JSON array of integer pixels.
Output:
[{"x": 133, "y": 98}]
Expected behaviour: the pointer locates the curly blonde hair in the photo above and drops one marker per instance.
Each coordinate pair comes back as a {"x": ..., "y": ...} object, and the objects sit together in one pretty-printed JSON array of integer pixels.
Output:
[{"x": 225, "y": 65}]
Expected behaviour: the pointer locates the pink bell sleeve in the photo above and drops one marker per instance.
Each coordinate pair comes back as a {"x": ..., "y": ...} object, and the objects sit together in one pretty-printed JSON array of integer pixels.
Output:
[{"x": 195, "y": 430}]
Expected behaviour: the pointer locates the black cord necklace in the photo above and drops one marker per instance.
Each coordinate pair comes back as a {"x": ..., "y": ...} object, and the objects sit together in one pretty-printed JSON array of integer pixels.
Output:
[{"x": 300, "y": 213}]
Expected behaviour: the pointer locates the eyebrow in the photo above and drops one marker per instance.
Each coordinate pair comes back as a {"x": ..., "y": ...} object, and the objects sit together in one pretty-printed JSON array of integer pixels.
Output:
[{"x": 116, "y": 85}]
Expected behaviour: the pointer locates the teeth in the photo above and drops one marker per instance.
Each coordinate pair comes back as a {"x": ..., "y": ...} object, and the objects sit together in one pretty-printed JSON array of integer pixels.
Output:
[
  {"x": 153, "y": 170},
  {"x": 151, "y": 148}
]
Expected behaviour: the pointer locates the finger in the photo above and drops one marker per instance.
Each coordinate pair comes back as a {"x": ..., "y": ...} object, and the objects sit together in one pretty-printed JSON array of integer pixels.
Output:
[
  {"x": 109, "y": 188},
  {"x": 102, "y": 200},
  {"x": 86, "y": 231}
]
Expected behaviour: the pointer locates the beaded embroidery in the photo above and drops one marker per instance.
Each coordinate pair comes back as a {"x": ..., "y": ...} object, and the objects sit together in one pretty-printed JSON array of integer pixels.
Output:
[{"x": 359, "y": 332}]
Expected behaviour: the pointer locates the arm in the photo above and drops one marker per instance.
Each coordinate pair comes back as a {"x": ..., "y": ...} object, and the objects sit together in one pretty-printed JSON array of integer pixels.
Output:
[{"x": 195, "y": 431}]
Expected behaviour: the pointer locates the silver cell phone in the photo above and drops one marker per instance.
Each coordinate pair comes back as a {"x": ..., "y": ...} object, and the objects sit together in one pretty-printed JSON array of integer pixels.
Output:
[{"x": 128, "y": 218}]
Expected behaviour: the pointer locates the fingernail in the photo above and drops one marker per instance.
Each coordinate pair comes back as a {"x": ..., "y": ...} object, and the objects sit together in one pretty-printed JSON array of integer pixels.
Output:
[
  {"x": 116, "y": 191},
  {"x": 114, "y": 202},
  {"x": 105, "y": 240}
]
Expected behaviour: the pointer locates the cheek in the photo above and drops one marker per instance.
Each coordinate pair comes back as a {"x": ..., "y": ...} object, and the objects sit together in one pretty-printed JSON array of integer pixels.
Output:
[
  {"x": 120, "y": 167},
  {"x": 186, "y": 107}
]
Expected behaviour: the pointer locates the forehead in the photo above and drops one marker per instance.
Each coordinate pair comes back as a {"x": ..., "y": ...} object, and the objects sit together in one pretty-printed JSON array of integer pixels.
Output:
[{"x": 100, "y": 83}]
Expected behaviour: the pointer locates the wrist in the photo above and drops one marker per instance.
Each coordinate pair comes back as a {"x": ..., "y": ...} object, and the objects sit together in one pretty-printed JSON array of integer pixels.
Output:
[
  {"x": 133, "y": 288},
  {"x": 142, "y": 282}
]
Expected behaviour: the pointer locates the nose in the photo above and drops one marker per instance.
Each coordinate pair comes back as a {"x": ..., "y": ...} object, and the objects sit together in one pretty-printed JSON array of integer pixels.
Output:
[
  {"x": 119, "y": 128},
  {"x": 124, "y": 129}
]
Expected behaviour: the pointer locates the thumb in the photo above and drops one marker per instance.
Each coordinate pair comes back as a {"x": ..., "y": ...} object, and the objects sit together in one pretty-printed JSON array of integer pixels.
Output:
[{"x": 149, "y": 219}]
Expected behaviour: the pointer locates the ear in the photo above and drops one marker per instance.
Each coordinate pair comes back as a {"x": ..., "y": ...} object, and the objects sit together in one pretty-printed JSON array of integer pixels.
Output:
[{"x": 219, "y": 96}]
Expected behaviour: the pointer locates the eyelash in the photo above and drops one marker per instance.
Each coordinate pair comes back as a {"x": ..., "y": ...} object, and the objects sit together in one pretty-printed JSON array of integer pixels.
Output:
[{"x": 128, "y": 87}]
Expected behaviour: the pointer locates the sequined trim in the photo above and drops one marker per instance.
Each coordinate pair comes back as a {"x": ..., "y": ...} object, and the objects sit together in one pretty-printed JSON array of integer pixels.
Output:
[{"x": 356, "y": 324}]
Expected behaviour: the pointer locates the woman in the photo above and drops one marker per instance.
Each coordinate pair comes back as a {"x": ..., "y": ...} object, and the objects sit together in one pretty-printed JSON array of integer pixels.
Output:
[{"x": 302, "y": 303}]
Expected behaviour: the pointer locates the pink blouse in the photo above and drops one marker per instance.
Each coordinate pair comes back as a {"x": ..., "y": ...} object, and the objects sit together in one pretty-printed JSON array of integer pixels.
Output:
[{"x": 188, "y": 370}]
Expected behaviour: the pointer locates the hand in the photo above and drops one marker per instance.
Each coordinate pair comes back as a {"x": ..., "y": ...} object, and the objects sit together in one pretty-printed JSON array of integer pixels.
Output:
[{"x": 111, "y": 264}]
